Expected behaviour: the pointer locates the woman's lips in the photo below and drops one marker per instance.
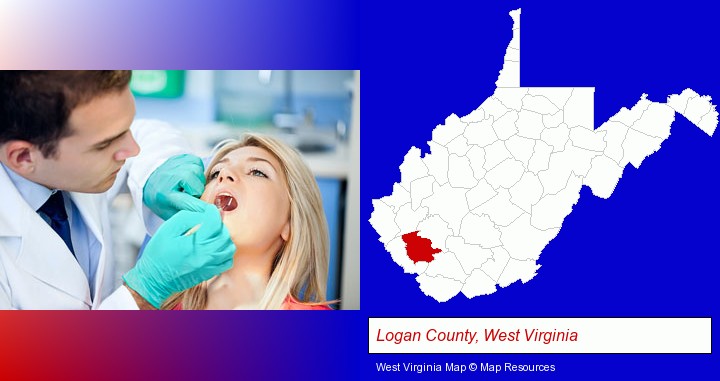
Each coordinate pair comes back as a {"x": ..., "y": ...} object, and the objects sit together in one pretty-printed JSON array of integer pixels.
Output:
[{"x": 225, "y": 202}]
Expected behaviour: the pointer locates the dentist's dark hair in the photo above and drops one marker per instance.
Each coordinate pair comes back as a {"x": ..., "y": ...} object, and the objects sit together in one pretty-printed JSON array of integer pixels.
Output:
[{"x": 35, "y": 105}]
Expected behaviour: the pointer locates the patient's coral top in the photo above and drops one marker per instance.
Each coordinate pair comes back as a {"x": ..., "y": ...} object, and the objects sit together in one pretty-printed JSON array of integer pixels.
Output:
[{"x": 289, "y": 304}]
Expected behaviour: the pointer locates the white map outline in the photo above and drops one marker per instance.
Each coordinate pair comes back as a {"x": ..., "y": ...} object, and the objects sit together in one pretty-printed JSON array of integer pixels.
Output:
[{"x": 499, "y": 182}]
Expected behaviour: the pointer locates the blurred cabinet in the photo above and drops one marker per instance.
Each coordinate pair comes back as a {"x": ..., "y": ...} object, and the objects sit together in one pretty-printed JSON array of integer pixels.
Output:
[
  {"x": 310, "y": 98},
  {"x": 332, "y": 191}
]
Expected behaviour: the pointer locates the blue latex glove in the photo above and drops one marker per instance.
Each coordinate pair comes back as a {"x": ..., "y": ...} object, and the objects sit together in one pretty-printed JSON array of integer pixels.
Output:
[
  {"x": 173, "y": 262},
  {"x": 175, "y": 185}
]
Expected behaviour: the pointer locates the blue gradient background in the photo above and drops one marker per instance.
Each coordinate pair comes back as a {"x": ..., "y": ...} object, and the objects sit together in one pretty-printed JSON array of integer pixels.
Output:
[
  {"x": 650, "y": 250},
  {"x": 207, "y": 34}
]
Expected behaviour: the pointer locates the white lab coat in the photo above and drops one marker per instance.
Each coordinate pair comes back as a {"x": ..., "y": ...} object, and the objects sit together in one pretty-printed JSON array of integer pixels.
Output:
[{"x": 37, "y": 271}]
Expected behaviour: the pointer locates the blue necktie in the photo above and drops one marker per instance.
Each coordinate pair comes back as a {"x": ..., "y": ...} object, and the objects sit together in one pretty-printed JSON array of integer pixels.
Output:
[{"x": 54, "y": 208}]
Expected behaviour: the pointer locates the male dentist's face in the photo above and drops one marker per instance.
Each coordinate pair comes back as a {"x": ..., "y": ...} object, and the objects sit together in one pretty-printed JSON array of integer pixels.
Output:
[{"x": 89, "y": 159}]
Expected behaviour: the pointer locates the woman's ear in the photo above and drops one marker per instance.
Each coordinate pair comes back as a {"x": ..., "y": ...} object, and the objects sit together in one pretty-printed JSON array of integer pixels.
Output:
[{"x": 285, "y": 234}]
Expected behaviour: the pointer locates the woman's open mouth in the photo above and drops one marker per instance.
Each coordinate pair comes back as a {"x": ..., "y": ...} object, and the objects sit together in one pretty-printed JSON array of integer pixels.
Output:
[{"x": 225, "y": 202}]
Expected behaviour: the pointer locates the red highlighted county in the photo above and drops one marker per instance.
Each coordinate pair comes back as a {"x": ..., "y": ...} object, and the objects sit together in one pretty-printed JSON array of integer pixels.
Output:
[{"x": 419, "y": 249}]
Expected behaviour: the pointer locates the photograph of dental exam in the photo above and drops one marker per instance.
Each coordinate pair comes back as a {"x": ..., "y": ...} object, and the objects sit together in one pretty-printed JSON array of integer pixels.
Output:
[{"x": 182, "y": 190}]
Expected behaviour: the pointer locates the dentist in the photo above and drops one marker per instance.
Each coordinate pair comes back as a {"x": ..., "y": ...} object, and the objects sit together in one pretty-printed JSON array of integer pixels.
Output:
[{"x": 68, "y": 145}]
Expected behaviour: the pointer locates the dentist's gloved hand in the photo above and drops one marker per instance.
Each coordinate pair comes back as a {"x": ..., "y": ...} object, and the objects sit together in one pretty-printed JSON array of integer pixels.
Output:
[
  {"x": 173, "y": 262},
  {"x": 175, "y": 185}
]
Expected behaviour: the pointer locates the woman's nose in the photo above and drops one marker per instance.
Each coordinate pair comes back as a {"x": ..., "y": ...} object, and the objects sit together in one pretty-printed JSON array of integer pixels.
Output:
[{"x": 225, "y": 176}]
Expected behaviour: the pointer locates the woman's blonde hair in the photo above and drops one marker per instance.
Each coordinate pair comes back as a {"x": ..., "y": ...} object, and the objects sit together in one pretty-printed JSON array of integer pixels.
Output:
[{"x": 301, "y": 265}]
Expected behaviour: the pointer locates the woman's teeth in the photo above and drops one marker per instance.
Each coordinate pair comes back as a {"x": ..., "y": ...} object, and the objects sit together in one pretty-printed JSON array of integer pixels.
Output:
[{"x": 225, "y": 202}]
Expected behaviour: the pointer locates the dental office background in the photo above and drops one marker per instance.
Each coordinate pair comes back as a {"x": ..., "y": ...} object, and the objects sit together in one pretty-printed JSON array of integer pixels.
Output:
[{"x": 317, "y": 112}]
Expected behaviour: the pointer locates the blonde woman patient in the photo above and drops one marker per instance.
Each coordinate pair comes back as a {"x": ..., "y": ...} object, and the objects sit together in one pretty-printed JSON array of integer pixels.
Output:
[{"x": 271, "y": 205}]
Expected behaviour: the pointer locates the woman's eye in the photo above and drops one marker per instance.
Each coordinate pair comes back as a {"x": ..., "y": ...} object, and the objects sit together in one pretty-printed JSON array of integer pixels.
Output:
[
  {"x": 257, "y": 172},
  {"x": 213, "y": 175}
]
